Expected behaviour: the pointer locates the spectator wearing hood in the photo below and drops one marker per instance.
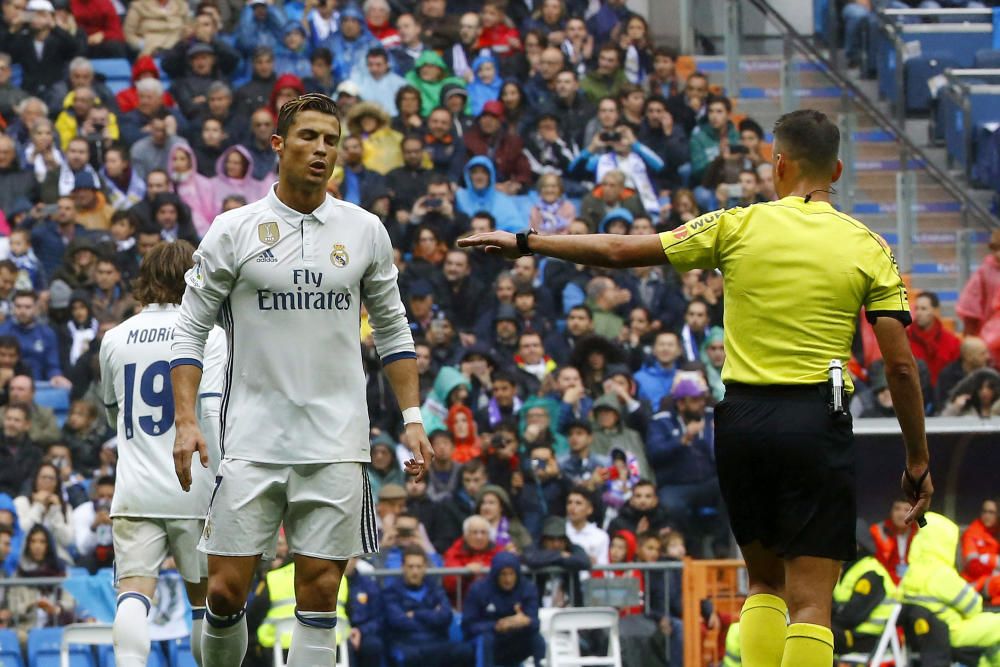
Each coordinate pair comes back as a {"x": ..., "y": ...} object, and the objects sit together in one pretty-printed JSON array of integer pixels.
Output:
[
  {"x": 143, "y": 67},
  {"x": 489, "y": 138},
  {"x": 455, "y": 99},
  {"x": 292, "y": 55},
  {"x": 486, "y": 83},
  {"x": 506, "y": 530},
  {"x": 429, "y": 76},
  {"x": 173, "y": 218},
  {"x": 501, "y": 612},
  {"x": 350, "y": 44},
  {"x": 473, "y": 550},
  {"x": 260, "y": 25},
  {"x": 610, "y": 433},
  {"x": 92, "y": 209},
  {"x": 195, "y": 190},
  {"x": 450, "y": 389},
  {"x": 381, "y": 145},
  {"x": 379, "y": 83},
  {"x": 555, "y": 550},
  {"x": 462, "y": 426},
  {"x": 235, "y": 169},
  {"x": 481, "y": 194},
  {"x": 384, "y": 469},
  {"x": 538, "y": 424}
]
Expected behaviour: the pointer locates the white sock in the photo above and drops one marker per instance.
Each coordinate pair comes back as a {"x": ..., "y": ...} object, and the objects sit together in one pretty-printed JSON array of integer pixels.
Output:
[
  {"x": 314, "y": 639},
  {"x": 223, "y": 640},
  {"x": 131, "y": 630},
  {"x": 197, "y": 621}
]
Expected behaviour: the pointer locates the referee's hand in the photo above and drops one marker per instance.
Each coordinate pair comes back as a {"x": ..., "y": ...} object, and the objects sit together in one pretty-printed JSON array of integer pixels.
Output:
[
  {"x": 423, "y": 453},
  {"x": 918, "y": 489},
  {"x": 188, "y": 441},
  {"x": 496, "y": 243}
]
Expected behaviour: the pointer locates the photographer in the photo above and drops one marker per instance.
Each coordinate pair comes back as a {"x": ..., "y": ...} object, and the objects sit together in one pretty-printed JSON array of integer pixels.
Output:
[
  {"x": 92, "y": 526},
  {"x": 436, "y": 209},
  {"x": 619, "y": 150}
]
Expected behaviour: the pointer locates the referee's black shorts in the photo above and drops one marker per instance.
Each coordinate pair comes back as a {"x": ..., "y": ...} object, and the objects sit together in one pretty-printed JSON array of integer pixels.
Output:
[{"x": 786, "y": 470}]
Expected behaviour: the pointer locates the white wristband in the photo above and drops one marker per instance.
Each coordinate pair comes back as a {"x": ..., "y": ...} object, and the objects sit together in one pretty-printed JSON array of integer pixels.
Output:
[{"x": 412, "y": 416}]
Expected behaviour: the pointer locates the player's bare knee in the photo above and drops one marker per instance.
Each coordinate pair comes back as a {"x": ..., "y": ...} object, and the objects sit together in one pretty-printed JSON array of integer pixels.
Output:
[
  {"x": 316, "y": 589},
  {"x": 225, "y": 596}
]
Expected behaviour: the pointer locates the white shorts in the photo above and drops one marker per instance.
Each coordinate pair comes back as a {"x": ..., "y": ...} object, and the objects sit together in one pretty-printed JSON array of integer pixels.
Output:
[
  {"x": 327, "y": 510},
  {"x": 142, "y": 544}
]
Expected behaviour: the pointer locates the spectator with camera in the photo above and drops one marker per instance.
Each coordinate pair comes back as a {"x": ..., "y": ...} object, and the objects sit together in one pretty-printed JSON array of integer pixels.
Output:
[
  {"x": 618, "y": 149},
  {"x": 92, "y": 526}
]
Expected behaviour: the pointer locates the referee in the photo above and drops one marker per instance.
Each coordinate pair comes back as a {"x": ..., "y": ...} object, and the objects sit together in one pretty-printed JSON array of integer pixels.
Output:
[{"x": 797, "y": 273}]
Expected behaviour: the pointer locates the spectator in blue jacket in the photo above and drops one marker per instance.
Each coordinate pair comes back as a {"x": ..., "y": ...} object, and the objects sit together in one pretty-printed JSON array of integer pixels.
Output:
[
  {"x": 39, "y": 346},
  {"x": 418, "y": 611},
  {"x": 261, "y": 24},
  {"x": 50, "y": 237},
  {"x": 656, "y": 378},
  {"x": 480, "y": 194},
  {"x": 292, "y": 55},
  {"x": 350, "y": 44},
  {"x": 365, "y": 611},
  {"x": 501, "y": 611}
]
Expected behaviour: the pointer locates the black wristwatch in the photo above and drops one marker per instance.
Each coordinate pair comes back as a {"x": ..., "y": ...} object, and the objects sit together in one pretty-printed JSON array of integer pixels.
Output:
[{"x": 522, "y": 242}]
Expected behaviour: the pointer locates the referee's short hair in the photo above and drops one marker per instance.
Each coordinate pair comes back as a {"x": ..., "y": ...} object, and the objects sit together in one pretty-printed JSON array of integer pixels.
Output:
[
  {"x": 308, "y": 102},
  {"x": 808, "y": 137}
]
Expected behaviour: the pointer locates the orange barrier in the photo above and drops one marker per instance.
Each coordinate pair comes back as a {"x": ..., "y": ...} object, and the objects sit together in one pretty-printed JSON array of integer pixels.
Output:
[{"x": 724, "y": 583}]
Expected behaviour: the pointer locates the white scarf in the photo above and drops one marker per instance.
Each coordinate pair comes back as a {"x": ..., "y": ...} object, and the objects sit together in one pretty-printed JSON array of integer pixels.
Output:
[
  {"x": 38, "y": 162},
  {"x": 81, "y": 338}
]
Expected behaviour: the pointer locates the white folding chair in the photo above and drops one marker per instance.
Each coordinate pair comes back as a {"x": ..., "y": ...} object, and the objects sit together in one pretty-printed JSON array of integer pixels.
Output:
[
  {"x": 888, "y": 641},
  {"x": 564, "y": 643},
  {"x": 90, "y": 634},
  {"x": 285, "y": 626}
]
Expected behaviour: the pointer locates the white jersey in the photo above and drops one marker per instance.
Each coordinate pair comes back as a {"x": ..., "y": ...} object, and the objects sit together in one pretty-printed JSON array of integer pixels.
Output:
[
  {"x": 135, "y": 384},
  {"x": 288, "y": 288}
]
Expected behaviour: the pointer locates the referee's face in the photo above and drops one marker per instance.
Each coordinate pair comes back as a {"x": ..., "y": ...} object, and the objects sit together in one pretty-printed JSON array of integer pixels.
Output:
[{"x": 308, "y": 154}]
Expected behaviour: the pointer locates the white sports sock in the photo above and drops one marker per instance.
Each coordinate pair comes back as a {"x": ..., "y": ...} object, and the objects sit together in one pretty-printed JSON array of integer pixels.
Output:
[
  {"x": 131, "y": 630},
  {"x": 197, "y": 621},
  {"x": 223, "y": 640},
  {"x": 314, "y": 639}
]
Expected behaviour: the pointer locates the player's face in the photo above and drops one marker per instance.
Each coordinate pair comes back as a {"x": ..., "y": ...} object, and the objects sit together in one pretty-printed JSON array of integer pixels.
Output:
[
  {"x": 308, "y": 154},
  {"x": 414, "y": 571},
  {"x": 988, "y": 515}
]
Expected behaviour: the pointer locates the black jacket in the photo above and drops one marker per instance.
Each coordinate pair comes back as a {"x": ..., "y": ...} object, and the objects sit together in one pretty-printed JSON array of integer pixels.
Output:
[
  {"x": 573, "y": 115},
  {"x": 40, "y": 74},
  {"x": 19, "y": 459}
]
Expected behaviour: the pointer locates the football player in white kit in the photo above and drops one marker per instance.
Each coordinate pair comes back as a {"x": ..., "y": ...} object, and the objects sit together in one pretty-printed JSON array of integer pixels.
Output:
[
  {"x": 151, "y": 517},
  {"x": 288, "y": 275}
]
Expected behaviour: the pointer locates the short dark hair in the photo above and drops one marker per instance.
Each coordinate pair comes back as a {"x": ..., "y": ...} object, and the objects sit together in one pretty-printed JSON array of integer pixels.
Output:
[
  {"x": 10, "y": 343},
  {"x": 585, "y": 308},
  {"x": 485, "y": 215},
  {"x": 308, "y": 102},
  {"x": 23, "y": 293},
  {"x": 932, "y": 297},
  {"x": 119, "y": 148},
  {"x": 23, "y": 407},
  {"x": 750, "y": 125},
  {"x": 414, "y": 550},
  {"x": 322, "y": 53},
  {"x": 504, "y": 376},
  {"x": 667, "y": 333},
  {"x": 665, "y": 52},
  {"x": 148, "y": 229},
  {"x": 644, "y": 482},
  {"x": 721, "y": 99},
  {"x": 161, "y": 275},
  {"x": 473, "y": 466},
  {"x": 377, "y": 52},
  {"x": 808, "y": 137},
  {"x": 127, "y": 216},
  {"x": 8, "y": 265},
  {"x": 104, "y": 480}
]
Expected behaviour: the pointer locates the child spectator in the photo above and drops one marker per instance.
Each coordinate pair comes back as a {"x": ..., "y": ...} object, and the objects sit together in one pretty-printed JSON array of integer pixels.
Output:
[
  {"x": 667, "y": 617},
  {"x": 30, "y": 273},
  {"x": 582, "y": 531},
  {"x": 486, "y": 85},
  {"x": 622, "y": 550}
]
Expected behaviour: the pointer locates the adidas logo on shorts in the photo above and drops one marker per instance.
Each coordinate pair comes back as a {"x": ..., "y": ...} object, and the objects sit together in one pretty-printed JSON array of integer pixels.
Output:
[{"x": 267, "y": 257}]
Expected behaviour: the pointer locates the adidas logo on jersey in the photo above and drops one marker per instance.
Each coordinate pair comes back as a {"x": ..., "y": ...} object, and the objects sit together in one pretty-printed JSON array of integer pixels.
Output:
[{"x": 267, "y": 257}]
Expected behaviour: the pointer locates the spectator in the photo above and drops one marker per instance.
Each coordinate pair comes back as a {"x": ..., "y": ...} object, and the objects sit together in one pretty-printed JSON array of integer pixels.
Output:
[
  {"x": 38, "y": 342},
  {"x": 72, "y": 121},
  {"x": 74, "y": 483},
  {"x": 502, "y": 612},
  {"x": 893, "y": 538},
  {"x": 440, "y": 29},
  {"x": 143, "y": 67},
  {"x": 556, "y": 551},
  {"x": 292, "y": 55},
  {"x": 429, "y": 75},
  {"x": 689, "y": 108},
  {"x": 713, "y": 356},
  {"x": 152, "y": 26},
  {"x": 506, "y": 530},
  {"x": 384, "y": 470},
  {"x": 694, "y": 333},
  {"x": 488, "y": 138},
  {"x": 44, "y": 427},
  {"x": 92, "y": 209},
  {"x": 570, "y": 106},
  {"x": 39, "y": 606},
  {"x": 404, "y": 532},
  {"x": 485, "y": 84},
  {"x": 610, "y": 433},
  {"x": 447, "y": 154},
  {"x": 19, "y": 456},
  {"x": 978, "y": 395},
  {"x": 715, "y": 137},
  {"x": 51, "y": 238},
  {"x": 540, "y": 89},
  {"x": 462, "y": 426},
  {"x": 235, "y": 176},
  {"x": 195, "y": 190},
  {"x": 604, "y": 297},
  {"x": 262, "y": 126},
  {"x": 173, "y": 219},
  {"x": 981, "y": 553},
  {"x": 616, "y": 221},
  {"x": 643, "y": 513},
  {"x": 481, "y": 194},
  {"x": 607, "y": 78},
  {"x": 351, "y": 44},
  {"x": 83, "y": 434},
  {"x": 663, "y": 80},
  {"x": 929, "y": 340},
  {"x": 549, "y": 154},
  {"x": 15, "y": 182},
  {"x": 42, "y": 49},
  {"x": 157, "y": 183},
  {"x": 380, "y": 144},
  {"x": 380, "y": 84},
  {"x": 45, "y": 505},
  {"x": 360, "y": 184},
  {"x": 473, "y": 551},
  {"x": 320, "y": 79},
  {"x": 583, "y": 532},
  {"x": 260, "y": 25},
  {"x": 665, "y": 138},
  {"x": 10, "y": 95},
  {"x": 191, "y": 89},
  {"x": 411, "y": 45},
  {"x": 76, "y": 334},
  {"x": 30, "y": 274},
  {"x": 152, "y": 152},
  {"x": 323, "y": 21},
  {"x": 656, "y": 379},
  {"x": 611, "y": 193},
  {"x": 418, "y": 610},
  {"x": 123, "y": 186},
  {"x": 444, "y": 475},
  {"x": 256, "y": 93},
  {"x": 176, "y": 61}
]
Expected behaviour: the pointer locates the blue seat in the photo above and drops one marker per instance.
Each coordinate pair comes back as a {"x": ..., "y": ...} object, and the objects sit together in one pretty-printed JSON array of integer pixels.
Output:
[
  {"x": 106, "y": 656},
  {"x": 179, "y": 653},
  {"x": 44, "y": 645},
  {"x": 987, "y": 59},
  {"x": 113, "y": 68},
  {"x": 10, "y": 649},
  {"x": 56, "y": 398}
]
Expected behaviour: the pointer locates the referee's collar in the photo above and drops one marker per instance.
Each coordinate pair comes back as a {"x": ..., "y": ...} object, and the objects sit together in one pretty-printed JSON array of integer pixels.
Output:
[{"x": 293, "y": 217}]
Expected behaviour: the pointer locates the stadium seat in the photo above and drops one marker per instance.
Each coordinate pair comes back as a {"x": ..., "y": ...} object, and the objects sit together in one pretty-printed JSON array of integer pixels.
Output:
[
  {"x": 56, "y": 398},
  {"x": 179, "y": 652},
  {"x": 113, "y": 69},
  {"x": 45, "y": 644},
  {"x": 987, "y": 59},
  {"x": 106, "y": 657},
  {"x": 10, "y": 649},
  {"x": 889, "y": 641},
  {"x": 567, "y": 624}
]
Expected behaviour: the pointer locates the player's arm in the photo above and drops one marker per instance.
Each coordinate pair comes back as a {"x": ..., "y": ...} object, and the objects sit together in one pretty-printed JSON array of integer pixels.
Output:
[
  {"x": 394, "y": 343},
  {"x": 108, "y": 396},
  {"x": 209, "y": 282}
]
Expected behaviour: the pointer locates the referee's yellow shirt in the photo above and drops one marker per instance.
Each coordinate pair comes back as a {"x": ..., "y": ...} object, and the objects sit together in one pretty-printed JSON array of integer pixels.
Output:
[{"x": 796, "y": 277}]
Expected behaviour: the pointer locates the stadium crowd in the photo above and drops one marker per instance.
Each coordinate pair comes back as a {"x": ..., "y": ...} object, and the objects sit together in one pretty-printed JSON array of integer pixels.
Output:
[{"x": 570, "y": 408}]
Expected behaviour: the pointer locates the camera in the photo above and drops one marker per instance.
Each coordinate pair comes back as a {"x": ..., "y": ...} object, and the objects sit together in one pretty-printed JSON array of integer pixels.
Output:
[
  {"x": 433, "y": 202},
  {"x": 404, "y": 532},
  {"x": 610, "y": 137},
  {"x": 538, "y": 464}
]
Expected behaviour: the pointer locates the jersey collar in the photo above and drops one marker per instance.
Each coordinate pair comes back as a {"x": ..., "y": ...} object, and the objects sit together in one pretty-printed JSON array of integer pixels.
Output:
[
  {"x": 800, "y": 202},
  {"x": 160, "y": 307},
  {"x": 293, "y": 217}
]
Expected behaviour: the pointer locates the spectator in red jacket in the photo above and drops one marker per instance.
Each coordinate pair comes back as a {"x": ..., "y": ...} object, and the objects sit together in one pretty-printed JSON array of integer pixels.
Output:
[
  {"x": 893, "y": 538},
  {"x": 100, "y": 21},
  {"x": 472, "y": 550},
  {"x": 144, "y": 67},
  {"x": 929, "y": 340},
  {"x": 498, "y": 33},
  {"x": 981, "y": 553},
  {"x": 489, "y": 137}
]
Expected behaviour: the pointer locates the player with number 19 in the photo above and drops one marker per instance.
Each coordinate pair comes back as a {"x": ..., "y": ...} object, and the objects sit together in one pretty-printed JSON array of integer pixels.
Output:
[{"x": 151, "y": 516}]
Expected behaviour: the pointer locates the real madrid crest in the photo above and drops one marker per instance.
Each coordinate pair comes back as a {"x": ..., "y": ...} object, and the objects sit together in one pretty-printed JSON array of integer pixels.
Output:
[
  {"x": 339, "y": 256},
  {"x": 268, "y": 232}
]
